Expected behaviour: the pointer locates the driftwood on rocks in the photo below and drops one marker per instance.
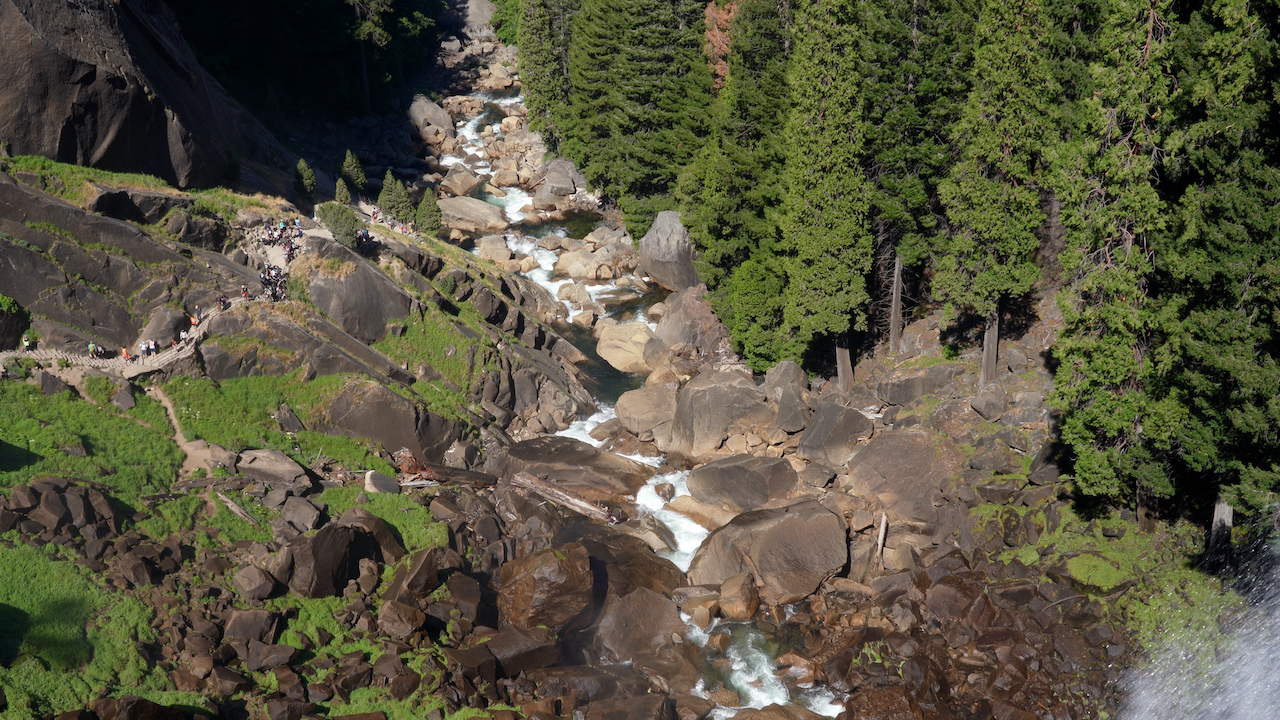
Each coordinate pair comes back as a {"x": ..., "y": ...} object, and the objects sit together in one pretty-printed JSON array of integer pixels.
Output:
[{"x": 525, "y": 483}]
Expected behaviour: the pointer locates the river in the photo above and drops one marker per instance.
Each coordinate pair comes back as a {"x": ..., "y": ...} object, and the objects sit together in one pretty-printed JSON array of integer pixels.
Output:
[{"x": 752, "y": 666}]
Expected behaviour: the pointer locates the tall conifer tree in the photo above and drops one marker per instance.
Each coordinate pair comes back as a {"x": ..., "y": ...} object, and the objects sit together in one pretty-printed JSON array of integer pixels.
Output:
[
  {"x": 992, "y": 196},
  {"x": 544, "y": 61},
  {"x": 824, "y": 211}
]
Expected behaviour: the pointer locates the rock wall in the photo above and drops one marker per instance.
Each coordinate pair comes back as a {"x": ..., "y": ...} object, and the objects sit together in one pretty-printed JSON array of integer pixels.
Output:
[{"x": 113, "y": 85}]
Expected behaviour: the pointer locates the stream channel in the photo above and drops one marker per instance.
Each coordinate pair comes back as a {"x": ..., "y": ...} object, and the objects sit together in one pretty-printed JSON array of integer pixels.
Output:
[{"x": 752, "y": 669}]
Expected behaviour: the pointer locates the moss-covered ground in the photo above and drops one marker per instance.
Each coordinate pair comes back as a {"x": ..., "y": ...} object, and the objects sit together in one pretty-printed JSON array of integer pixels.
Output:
[
  {"x": 47, "y": 435},
  {"x": 239, "y": 414},
  {"x": 63, "y": 638}
]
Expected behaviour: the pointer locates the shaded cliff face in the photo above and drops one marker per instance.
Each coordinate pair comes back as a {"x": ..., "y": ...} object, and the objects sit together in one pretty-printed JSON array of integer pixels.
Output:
[{"x": 114, "y": 85}]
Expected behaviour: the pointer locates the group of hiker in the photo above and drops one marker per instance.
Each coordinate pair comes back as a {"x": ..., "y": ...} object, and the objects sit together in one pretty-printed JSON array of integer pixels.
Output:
[
  {"x": 286, "y": 236},
  {"x": 273, "y": 282}
]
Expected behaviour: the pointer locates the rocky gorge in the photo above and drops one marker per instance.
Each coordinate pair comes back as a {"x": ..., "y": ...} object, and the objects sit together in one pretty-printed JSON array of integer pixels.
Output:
[{"x": 573, "y": 500}]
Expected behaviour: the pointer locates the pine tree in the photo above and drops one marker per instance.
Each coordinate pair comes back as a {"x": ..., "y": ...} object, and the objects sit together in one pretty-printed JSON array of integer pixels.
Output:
[
  {"x": 1105, "y": 176},
  {"x": 544, "y": 61},
  {"x": 428, "y": 215},
  {"x": 992, "y": 195},
  {"x": 1213, "y": 419},
  {"x": 304, "y": 179},
  {"x": 915, "y": 82},
  {"x": 640, "y": 90},
  {"x": 394, "y": 199},
  {"x": 824, "y": 211},
  {"x": 353, "y": 172},
  {"x": 341, "y": 194},
  {"x": 729, "y": 193}
]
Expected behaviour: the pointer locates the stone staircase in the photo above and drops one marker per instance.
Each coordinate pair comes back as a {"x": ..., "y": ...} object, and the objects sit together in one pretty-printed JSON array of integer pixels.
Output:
[{"x": 129, "y": 369}]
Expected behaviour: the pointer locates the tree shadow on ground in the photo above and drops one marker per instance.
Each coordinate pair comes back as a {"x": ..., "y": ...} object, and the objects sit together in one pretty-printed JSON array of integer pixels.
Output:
[
  {"x": 14, "y": 458},
  {"x": 14, "y": 625}
]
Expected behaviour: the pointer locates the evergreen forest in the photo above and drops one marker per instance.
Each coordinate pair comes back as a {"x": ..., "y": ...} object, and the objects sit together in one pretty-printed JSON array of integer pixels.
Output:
[{"x": 843, "y": 164}]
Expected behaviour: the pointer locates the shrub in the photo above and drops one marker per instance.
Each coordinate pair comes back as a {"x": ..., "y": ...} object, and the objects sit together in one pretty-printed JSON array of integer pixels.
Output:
[{"x": 341, "y": 221}]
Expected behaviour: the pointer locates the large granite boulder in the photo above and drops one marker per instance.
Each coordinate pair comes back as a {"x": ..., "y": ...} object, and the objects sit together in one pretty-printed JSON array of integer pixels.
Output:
[
  {"x": 834, "y": 432},
  {"x": 692, "y": 323},
  {"x": 648, "y": 412},
  {"x": 623, "y": 347},
  {"x": 373, "y": 411},
  {"x": 743, "y": 482},
  {"x": 666, "y": 253},
  {"x": 547, "y": 589},
  {"x": 641, "y": 622},
  {"x": 906, "y": 471},
  {"x": 358, "y": 298},
  {"x": 114, "y": 86},
  {"x": 908, "y": 386},
  {"x": 576, "y": 467},
  {"x": 709, "y": 405},
  {"x": 430, "y": 119},
  {"x": 275, "y": 469},
  {"x": 470, "y": 215},
  {"x": 459, "y": 181},
  {"x": 790, "y": 551}
]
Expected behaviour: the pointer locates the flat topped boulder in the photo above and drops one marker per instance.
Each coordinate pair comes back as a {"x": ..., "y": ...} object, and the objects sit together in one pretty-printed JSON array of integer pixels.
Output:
[
  {"x": 906, "y": 471},
  {"x": 743, "y": 482},
  {"x": 623, "y": 347},
  {"x": 273, "y": 468},
  {"x": 576, "y": 467},
  {"x": 471, "y": 215},
  {"x": 790, "y": 551},
  {"x": 709, "y": 405}
]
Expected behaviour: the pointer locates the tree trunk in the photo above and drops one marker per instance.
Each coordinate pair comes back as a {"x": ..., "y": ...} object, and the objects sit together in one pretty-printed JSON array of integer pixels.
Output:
[
  {"x": 844, "y": 367},
  {"x": 990, "y": 347},
  {"x": 1219, "y": 553},
  {"x": 895, "y": 307}
]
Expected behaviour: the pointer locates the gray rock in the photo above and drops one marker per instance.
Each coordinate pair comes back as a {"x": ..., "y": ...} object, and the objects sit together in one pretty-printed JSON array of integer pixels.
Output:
[
  {"x": 50, "y": 384},
  {"x": 785, "y": 375},
  {"x": 743, "y": 482},
  {"x": 640, "y": 622},
  {"x": 376, "y": 482},
  {"x": 990, "y": 403},
  {"x": 578, "y": 468},
  {"x": 301, "y": 513},
  {"x": 254, "y": 584},
  {"x": 666, "y": 253},
  {"x": 790, "y": 551},
  {"x": 274, "y": 469},
  {"x": 648, "y": 412},
  {"x": 833, "y": 432},
  {"x": 424, "y": 114},
  {"x": 459, "y": 181},
  {"x": 708, "y": 405},
  {"x": 471, "y": 215}
]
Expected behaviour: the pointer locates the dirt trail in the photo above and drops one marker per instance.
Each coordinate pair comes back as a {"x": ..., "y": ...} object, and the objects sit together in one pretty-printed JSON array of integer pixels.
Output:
[{"x": 196, "y": 451}]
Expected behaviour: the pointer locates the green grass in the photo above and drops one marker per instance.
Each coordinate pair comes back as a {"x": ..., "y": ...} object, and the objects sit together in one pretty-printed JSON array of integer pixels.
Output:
[
  {"x": 224, "y": 204},
  {"x": 239, "y": 414},
  {"x": 130, "y": 459},
  {"x": 428, "y": 342},
  {"x": 77, "y": 180},
  {"x": 173, "y": 516},
  {"x": 231, "y": 528},
  {"x": 64, "y": 639},
  {"x": 412, "y": 522}
]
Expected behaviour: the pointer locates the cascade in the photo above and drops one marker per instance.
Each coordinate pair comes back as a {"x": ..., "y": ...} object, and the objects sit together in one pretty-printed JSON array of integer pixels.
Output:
[{"x": 753, "y": 668}]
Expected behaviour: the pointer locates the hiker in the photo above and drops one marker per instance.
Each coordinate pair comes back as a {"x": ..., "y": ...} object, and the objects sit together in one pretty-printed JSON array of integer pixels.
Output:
[
  {"x": 151, "y": 347},
  {"x": 26, "y": 342},
  {"x": 244, "y": 291},
  {"x": 183, "y": 337}
]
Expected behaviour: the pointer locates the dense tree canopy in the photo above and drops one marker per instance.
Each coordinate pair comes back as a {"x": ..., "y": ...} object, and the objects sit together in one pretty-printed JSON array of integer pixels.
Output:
[{"x": 1123, "y": 154}]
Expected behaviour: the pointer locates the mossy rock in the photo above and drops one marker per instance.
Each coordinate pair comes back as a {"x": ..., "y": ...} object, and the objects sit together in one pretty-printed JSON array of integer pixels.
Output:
[{"x": 1093, "y": 574}]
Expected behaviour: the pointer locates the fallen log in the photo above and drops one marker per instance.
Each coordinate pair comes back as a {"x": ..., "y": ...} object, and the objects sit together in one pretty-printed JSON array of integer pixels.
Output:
[
  {"x": 525, "y": 481},
  {"x": 237, "y": 510}
]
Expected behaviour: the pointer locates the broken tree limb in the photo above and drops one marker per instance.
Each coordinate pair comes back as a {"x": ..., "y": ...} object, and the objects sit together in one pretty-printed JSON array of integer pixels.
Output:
[
  {"x": 884, "y": 529},
  {"x": 525, "y": 481},
  {"x": 237, "y": 510}
]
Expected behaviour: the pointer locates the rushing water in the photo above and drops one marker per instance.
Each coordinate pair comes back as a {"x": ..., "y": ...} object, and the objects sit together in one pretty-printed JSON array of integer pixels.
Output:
[
  {"x": 752, "y": 668},
  {"x": 1239, "y": 679}
]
